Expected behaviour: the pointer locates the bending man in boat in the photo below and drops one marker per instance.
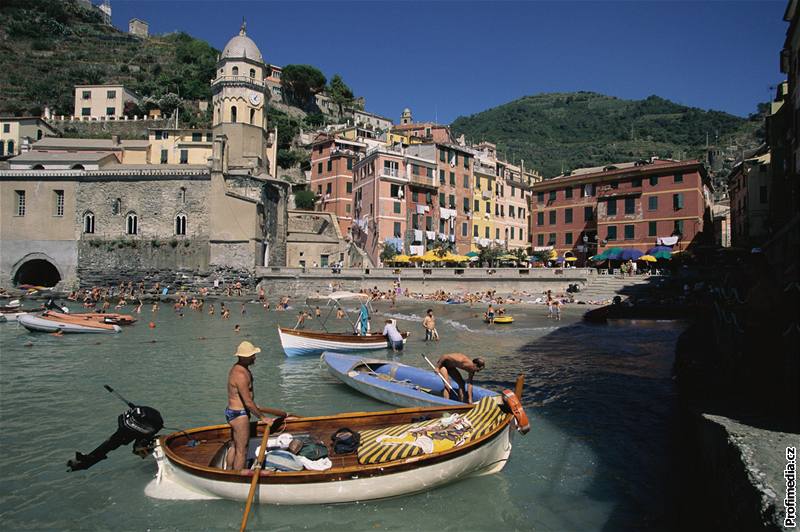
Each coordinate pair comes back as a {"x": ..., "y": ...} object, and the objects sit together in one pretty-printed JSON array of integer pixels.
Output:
[
  {"x": 241, "y": 404},
  {"x": 448, "y": 366}
]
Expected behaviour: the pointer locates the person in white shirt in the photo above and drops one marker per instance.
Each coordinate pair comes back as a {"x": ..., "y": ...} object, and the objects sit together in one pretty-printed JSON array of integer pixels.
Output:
[{"x": 393, "y": 335}]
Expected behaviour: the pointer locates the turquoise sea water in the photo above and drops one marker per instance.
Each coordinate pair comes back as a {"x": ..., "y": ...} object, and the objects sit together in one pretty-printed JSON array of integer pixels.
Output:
[{"x": 600, "y": 399}]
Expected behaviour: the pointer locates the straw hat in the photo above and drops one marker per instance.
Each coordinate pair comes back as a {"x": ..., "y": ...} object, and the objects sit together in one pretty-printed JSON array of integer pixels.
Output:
[{"x": 246, "y": 349}]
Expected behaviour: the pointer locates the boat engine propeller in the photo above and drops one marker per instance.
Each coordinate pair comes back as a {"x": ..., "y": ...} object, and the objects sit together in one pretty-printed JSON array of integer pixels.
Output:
[{"x": 138, "y": 424}]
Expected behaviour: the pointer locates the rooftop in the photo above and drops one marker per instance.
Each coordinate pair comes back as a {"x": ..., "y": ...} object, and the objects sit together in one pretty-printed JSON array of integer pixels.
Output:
[{"x": 87, "y": 144}]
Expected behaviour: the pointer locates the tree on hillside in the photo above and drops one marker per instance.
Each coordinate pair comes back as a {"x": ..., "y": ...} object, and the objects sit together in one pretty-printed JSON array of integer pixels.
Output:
[
  {"x": 340, "y": 93},
  {"x": 302, "y": 82}
]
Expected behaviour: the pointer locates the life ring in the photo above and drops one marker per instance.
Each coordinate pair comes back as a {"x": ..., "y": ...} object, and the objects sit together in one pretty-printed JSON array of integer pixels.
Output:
[{"x": 512, "y": 401}]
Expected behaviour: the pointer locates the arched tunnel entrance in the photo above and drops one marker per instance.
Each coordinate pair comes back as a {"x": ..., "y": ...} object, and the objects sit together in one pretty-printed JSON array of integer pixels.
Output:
[{"x": 37, "y": 272}]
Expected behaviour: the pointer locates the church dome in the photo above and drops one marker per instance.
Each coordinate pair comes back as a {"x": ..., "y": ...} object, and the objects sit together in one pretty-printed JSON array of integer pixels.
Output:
[{"x": 242, "y": 46}]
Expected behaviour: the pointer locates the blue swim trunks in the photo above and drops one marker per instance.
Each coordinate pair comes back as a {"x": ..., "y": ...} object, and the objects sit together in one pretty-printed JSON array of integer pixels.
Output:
[{"x": 233, "y": 414}]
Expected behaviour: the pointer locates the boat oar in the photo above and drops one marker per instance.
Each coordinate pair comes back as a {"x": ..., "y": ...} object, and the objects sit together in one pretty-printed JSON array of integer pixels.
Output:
[
  {"x": 256, "y": 476},
  {"x": 446, "y": 384}
]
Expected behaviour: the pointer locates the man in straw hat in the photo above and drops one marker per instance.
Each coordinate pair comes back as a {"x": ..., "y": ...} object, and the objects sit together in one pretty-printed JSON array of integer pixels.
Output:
[{"x": 241, "y": 404}]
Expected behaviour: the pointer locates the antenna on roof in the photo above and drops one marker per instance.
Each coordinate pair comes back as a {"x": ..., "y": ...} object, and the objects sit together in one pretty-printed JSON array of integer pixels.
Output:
[{"x": 243, "y": 29}]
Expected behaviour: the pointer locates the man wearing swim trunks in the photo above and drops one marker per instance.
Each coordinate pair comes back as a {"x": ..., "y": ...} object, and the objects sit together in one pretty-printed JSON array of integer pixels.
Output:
[
  {"x": 241, "y": 404},
  {"x": 448, "y": 366}
]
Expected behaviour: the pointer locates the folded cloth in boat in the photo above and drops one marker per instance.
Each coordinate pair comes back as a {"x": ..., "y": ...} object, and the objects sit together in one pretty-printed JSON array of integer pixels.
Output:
[
  {"x": 282, "y": 461},
  {"x": 281, "y": 441},
  {"x": 424, "y": 437},
  {"x": 315, "y": 465}
]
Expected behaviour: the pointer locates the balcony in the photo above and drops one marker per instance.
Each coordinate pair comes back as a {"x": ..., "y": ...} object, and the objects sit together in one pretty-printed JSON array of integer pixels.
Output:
[
  {"x": 394, "y": 174},
  {"x": 423, "y": 181},
  {"x": 487, "y": 194},
  {"x": 239, "y": 80}
]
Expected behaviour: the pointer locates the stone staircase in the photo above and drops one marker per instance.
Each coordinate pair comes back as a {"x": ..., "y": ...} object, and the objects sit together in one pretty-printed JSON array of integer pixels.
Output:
[{"x": 605, "y": 287}]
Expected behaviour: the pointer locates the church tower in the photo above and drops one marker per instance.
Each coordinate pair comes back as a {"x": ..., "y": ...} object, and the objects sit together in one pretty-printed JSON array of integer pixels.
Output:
[
  {"x": 239, "y": 96},
  {"x": 406, "y": 117}
]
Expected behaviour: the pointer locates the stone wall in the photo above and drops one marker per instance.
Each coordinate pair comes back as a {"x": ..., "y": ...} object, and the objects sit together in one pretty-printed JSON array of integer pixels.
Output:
[
  {"x": 298, "y": 282},
  {"x": 126, "y": 129},
  {"x": 156, "y": 202}
]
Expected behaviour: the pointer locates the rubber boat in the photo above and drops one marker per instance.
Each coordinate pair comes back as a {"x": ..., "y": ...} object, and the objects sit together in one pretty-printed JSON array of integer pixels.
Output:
[
  {"x": 298, "y": 342},
  {"x": 400, "y": 452},
  {"x": 92, "y": 317},
  {"x": 501, "y": 319},
  {"x": 36, "y": 323},
  {"x": 393, "y": 382}
]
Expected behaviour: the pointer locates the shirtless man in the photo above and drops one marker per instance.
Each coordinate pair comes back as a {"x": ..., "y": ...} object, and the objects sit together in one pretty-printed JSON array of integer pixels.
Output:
[
  {"x": 448, "y": 366},
  {"x": 241, "y": 404}
]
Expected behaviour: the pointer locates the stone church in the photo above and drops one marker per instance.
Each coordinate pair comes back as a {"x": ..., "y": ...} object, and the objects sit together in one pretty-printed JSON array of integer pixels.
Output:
[{"x": 86, "y": 211}]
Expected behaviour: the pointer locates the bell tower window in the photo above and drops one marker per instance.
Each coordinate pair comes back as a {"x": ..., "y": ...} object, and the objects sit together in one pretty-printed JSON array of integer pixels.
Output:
[
  {"x": 252, "y": 116},
  {"x": 233, "y": 114},
  {"x": 235, "y": 71},
  {"x": 252, "y": 72}
]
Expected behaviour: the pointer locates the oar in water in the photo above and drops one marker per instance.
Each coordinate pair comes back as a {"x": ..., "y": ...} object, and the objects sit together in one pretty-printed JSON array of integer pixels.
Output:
[
  {"x": 256, "y": 476},
  {"x": 446, "y": 384}
]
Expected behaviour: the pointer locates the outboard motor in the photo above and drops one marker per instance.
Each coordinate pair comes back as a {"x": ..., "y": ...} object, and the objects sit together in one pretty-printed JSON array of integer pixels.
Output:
[
  {"x": 139, "y": 424},
  {"x": 53, "y": 305}
]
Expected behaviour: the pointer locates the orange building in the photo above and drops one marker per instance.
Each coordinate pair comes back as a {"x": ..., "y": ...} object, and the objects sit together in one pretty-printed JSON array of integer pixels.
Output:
[{"x": 332, "y": 161}]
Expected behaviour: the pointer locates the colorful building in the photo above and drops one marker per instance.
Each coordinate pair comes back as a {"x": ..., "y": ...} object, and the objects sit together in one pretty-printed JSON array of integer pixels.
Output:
[
  {"x": 482, "y": 204},
  {"x": 380, "y": 209},
  {"x": 455, "y": 196},
  {"x": 102, "y": 101},
  {"x": 16, "y": 130},
  {"x": 748, "y": 186},
  {"x": 631, "y": 205},
  {"x": 332, "y": 162}
]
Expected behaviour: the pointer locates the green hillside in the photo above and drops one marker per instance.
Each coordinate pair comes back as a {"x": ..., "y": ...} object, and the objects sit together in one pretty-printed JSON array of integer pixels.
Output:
[
  {"x": 47, "y": 46},
  {"x": 573, "y": 130}
]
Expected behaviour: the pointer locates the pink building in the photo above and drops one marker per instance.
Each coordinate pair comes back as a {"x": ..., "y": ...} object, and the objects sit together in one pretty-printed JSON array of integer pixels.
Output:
[
  {"x": 631, "y": 205},
  {"x": 332, "y": 162}
]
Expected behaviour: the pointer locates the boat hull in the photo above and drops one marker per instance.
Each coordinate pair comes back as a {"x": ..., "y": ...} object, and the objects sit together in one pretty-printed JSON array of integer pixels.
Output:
[
  {"x": 173, "y": 482},
  {"x": 304, "y": 343},
  {"x": 403, "y": 391},
  {"x": 39, "y": 324}
]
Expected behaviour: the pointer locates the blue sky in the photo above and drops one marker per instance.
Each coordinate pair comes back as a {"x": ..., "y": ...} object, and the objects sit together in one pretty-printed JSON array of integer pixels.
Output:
[{"x": 444, "y": 59}]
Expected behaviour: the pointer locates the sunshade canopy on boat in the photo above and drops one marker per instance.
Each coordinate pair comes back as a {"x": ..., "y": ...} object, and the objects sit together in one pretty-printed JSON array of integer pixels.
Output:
[{"x": 336, "y": 296}]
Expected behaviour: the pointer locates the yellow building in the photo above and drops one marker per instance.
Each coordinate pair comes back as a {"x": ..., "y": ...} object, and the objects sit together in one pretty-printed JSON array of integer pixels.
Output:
[
  {"x": 102, "y": 101},
  {"x": 180, "y": 146},
  {"x": 482, "y": 205},
  {"x": 15, "y": 129}
]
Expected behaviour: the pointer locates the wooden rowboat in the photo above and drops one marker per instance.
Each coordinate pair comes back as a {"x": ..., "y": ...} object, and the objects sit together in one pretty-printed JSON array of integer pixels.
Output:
[
  {"x": 393, "y": 382},
  {"x": 302, "y": 342},
  {"x": 43, "y": 324},
  {"x": 96, "y": 317},
  {"x": 401, "y": 452}
]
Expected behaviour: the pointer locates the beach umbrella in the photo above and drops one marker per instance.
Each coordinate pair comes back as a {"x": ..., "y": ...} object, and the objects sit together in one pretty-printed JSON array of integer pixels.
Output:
[
  {"x": 508, "y": 256},
  {"x": 610, "y": 253},
  {"x": 430, "y": 256},
  {"x": 417, "y": 258},
  {"x": 473, "y": 254},
  {"x": 570, "y": 259},
  {"x": 656, "y": 249},
  {"x": 665, "y": 255},
  {"x": 630, "y": 254},
  {"x": 648, "y": 258},
  {"x": 401, "y": 259},
  {"x": 459, "y": 258}
]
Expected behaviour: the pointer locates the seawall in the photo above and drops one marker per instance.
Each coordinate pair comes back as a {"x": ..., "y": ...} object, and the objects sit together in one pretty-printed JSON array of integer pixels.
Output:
[{"x": 302, "y": 282}]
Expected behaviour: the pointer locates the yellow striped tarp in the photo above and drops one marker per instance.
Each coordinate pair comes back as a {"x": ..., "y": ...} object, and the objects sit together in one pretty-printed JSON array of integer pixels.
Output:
[{"x": 424, "y": 437}]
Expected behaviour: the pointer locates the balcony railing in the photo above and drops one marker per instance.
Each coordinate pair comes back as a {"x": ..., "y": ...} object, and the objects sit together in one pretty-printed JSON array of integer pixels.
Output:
[
  {"x": 395, "y": 173},
  {"x": 423, "y": 180},
  {"x": 246, "y": 80}
]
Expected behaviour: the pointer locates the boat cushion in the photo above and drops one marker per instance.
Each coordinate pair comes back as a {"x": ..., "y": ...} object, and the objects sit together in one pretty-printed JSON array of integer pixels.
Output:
[{"x": 425, "y": 437}]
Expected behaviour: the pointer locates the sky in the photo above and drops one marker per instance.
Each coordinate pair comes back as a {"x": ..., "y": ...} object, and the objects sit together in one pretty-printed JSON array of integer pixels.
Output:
[{"x": 445, "y": 59}]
